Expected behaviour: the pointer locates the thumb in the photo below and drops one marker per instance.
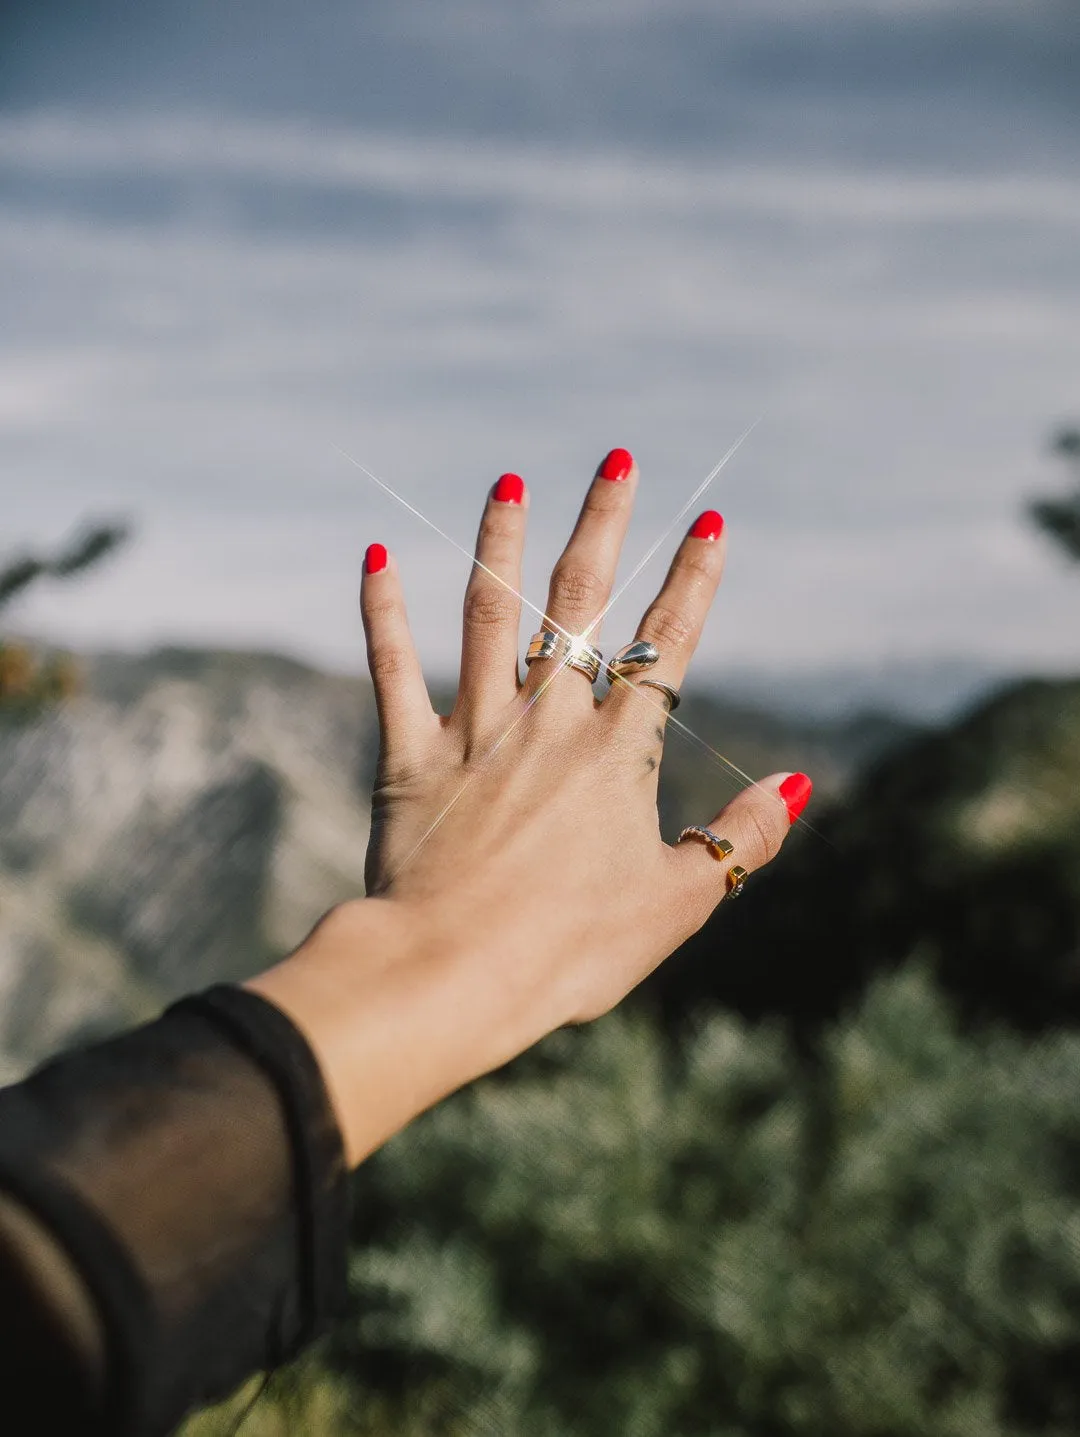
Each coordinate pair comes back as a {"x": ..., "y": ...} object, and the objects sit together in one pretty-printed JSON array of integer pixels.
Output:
[{"x": 755, "y": 823}]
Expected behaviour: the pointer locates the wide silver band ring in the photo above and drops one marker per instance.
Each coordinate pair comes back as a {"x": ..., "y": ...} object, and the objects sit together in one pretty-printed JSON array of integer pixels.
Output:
[{"x": 546, "y": 644}]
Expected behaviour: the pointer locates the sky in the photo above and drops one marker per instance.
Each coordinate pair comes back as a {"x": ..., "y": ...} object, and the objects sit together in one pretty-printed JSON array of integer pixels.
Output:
[{"x": 454, "y": 239}]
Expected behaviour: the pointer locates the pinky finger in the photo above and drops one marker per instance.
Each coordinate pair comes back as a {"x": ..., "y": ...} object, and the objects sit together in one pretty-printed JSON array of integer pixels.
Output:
[{"x": 401, "y": 697}]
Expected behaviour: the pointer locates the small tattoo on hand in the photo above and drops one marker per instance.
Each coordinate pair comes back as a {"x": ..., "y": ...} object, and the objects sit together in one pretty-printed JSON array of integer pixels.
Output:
[{"x": 650, "y": 762}]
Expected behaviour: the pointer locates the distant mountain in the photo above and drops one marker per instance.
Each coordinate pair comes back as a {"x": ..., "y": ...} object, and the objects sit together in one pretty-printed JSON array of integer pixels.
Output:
[
  {"x": 184, "y": 820},
  {"x": 919, "y": 690},
  {"x": 192, "y": 814}
]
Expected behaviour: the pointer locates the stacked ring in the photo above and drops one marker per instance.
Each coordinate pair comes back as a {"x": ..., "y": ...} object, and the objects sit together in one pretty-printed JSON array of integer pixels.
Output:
[{"x": 578, "y": 655}]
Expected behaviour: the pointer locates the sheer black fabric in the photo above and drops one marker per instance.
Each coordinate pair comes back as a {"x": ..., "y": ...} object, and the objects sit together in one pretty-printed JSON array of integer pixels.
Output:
[{"x": 191, "y": 1178}]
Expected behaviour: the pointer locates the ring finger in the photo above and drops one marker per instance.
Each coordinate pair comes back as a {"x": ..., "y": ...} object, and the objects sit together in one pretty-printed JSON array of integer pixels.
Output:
[{"x": 674, "y": 620}]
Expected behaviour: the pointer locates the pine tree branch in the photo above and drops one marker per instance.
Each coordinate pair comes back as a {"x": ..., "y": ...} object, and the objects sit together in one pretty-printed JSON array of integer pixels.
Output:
[{"x": 85, "y": 550}]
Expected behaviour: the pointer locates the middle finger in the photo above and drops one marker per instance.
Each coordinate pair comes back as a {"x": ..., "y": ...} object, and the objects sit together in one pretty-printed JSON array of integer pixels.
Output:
[{"x": 581, "y": 580}]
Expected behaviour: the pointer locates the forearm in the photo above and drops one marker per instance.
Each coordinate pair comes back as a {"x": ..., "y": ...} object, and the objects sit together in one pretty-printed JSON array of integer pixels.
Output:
[{"x": 397, "y": 1013}]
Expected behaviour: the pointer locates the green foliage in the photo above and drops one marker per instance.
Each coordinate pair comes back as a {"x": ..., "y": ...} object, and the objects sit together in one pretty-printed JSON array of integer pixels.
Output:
[
  {"x": 963, "y": 844},
  {"x": 725, "y": 1241}
]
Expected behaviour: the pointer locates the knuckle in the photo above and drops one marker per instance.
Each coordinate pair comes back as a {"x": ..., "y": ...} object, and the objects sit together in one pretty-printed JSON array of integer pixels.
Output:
[
  {"x": 489, "y": 608},
  {"x": 668, "y": 628},
  {"x": 699, "y": 564},
  {"x": 498, "y": 529},
  {"x": 764, "y": 835},
  {"x": 384, "y": 611},
  {"x": 389, "y": 661},
  {"x": 574, "y": 586},
  {"x": 605, "y": 498}
]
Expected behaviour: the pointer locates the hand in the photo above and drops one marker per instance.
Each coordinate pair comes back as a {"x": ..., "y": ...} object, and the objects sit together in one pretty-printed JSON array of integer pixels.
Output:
[{"x": 515, "y": 851}]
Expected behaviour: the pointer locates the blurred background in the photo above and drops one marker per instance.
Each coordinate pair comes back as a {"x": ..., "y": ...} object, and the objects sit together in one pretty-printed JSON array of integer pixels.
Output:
[{"x": 822, "y": 1174}]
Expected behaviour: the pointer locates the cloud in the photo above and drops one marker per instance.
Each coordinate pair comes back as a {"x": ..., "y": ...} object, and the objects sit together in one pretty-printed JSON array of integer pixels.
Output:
[
  {"x": 194, "y": 148},
  {"x": 199, "y": 307}
]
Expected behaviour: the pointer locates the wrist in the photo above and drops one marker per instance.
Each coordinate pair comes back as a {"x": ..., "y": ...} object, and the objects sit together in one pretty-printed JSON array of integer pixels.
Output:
[{"x": 396, "y": 1017}]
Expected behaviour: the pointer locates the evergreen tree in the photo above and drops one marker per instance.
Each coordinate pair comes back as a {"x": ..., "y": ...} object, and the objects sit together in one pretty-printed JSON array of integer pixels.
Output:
[
  {"x": 1060, "y": 518},
  {"x": 28, "y": 682}
]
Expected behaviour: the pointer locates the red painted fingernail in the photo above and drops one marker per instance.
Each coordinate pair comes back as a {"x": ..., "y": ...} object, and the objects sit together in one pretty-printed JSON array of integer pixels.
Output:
[
  {"x": 709, "y": 525},
  {"x": 617, "y": 465},
  {"x": 375, "y": 558},
  {"x": 510, "y": 489},
  {"x": 796, "y": 791}
]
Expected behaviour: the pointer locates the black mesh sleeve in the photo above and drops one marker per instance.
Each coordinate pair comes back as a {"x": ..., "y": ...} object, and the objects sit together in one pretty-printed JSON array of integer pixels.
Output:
[{"x": 193, "y": 1174}]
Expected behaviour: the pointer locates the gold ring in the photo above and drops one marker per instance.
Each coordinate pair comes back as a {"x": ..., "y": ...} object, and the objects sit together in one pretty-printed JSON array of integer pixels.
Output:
[{"x": 736, "y": 880}]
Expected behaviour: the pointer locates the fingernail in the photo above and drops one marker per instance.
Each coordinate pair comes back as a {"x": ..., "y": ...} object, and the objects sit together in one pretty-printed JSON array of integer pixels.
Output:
[
  {"x": 795, "y": 791},
  {"x": 510, "y": 489},
  {"x": 709, "y": 525},
  {"x": 375, "y": 558},
  {"x": 617, "y": 465}
]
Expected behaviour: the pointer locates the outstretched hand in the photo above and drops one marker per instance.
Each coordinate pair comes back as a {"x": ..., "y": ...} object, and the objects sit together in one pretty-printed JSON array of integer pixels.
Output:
[
  {"x": 515, "y": 851},
  {"x": 527, "y": 820}
]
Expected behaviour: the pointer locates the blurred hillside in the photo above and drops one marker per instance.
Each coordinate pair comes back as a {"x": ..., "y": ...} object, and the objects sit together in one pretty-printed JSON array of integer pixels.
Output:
[
  {"x": 848, "y": 1209},
  {"x": 851, "y": 1212},
  {"x": 960, "y": 845},
  {"x": 191, "y": 814}
]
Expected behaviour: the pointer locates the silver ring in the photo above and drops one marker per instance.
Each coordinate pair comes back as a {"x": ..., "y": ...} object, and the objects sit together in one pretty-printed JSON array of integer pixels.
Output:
[
  {"x": 632, "y": 659},
  {"x": 586, "y": 658},
  {"x": 672, "y": 695},
  {"x": 720, "y": 846}
]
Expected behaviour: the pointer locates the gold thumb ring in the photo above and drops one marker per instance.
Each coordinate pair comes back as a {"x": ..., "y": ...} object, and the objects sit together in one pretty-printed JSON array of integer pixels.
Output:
[
  {"x": 720, "y": 846},
  {"x": 736, "y": 880}
]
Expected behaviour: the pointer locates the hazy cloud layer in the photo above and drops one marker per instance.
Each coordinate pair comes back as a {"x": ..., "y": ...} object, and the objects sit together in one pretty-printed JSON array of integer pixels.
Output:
[{"x": 200, "y": 299}]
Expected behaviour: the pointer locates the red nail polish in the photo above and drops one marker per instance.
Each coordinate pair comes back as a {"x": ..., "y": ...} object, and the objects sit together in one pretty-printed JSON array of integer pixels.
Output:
[
  {"x": 510, "y": 489},
  {"x": 796, "y": 791},
  {"x": 617, "y": 465},
  {"x": 709, "y": 525},
  {"x": 375, "y": 558}
]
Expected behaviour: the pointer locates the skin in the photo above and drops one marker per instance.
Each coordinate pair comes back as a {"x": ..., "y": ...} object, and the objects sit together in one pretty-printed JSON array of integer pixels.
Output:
[{"x": 546, "y": 893}]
